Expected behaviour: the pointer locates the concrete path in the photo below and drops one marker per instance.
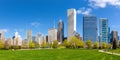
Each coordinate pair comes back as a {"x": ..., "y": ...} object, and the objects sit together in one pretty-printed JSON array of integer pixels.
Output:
[{"x": 109, "y": 52}]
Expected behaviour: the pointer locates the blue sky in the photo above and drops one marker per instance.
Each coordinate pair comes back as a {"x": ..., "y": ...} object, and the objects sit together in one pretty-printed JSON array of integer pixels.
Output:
[{"x": 39, "y": 15}]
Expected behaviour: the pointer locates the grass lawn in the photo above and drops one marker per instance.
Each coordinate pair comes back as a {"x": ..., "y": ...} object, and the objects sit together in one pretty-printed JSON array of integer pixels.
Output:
[
  {"x": 56, "y": 54},
  {"x": 115, "y": 51}
]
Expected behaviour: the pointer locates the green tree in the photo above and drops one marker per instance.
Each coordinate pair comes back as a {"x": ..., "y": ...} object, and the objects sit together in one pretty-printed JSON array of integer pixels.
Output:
[
  {"x": 55, "y": 44},
  {"x": 80, "y": 44},
  {"x": 1, "y": 45},
  {"x": 31, "y": 44},
  {"x": 96, "y": 45},
  {"x": 66, "y": 43},
  {"x": 43, "y": 45},
  {"x": 109, "y": 46},
  {"x": 104, "y": 45},
  {"x": 89, "y": 44},
  {"x": 74, "y": 42}
]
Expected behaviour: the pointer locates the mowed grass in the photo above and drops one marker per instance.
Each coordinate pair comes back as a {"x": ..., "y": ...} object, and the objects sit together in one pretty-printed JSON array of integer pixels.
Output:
[
  {"x": 56, "y": 54},
  {"x": 115, "y": 51}
]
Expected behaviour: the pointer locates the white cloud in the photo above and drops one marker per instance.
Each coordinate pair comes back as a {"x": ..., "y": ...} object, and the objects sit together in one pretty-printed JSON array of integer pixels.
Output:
[
  {"x": 104, "y": 3},
  {"x": 35, "y": 24},
  {"x": 3, "y": 30},
  {"x": 84, "y": 11}
]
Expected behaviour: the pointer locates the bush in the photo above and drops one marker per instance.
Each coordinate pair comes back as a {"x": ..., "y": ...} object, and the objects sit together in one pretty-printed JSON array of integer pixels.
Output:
[
  {"x": 31, "y": 45},
  {"x": 104, "y": 45},
  {"x": 76, "y": 43},
  {"x": 55, "y": 44},
  {"x": 66, "y": 43},
  {"x": 96, "y": 45},
  {"x": 43, "y": 45},
  {"x": 1, "y": 45},
  {"x": 89, "y": 44},
  {"x": 109, "y": 46},
  {"x": 80, "y": 44}
]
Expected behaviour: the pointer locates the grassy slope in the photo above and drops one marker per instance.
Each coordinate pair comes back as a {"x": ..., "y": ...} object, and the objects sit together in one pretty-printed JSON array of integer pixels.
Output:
[{"x": 56, "y": 54}]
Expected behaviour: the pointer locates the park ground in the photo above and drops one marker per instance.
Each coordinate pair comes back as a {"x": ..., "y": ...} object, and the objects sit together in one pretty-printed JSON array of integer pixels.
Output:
[{"x": 56, "y": 54}]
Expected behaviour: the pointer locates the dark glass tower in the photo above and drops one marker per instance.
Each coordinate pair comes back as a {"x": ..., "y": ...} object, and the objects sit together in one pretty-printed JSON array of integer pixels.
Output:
[
  {"x": 60, "y": 34},
  {"x": 90, "y": 28}
]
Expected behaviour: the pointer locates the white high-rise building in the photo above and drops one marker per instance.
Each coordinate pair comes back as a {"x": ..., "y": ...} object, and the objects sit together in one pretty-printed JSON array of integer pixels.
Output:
[
  {"x": 39, "y": 38},
  {"x": 52, "y": 35},
  {"x": 17, "y": 40},
  {"x": 71, "y": 15},
  {"x": 29, "y": 36}
]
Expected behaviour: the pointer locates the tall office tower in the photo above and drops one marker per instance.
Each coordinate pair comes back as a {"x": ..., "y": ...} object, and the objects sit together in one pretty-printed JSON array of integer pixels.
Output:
[
  {"x": 29, "y": 36},
  {"x": 114, "y": 36},
  {"x": 60, "y": 33},
  {"x": 52, "y": 35},
  {"x": 8, "y": 42},
  {"x": 71, "y": 15},
  {"x": 109, "y": 35},
  {"x": 104, "y": 30},
  {"x": 90, "y": 28},
  {"x": 38, "y": 38},
  {"x": 2, "y": 36},
  {"x": 17, "y": 40},
  {"x": 34, "y": 39}
]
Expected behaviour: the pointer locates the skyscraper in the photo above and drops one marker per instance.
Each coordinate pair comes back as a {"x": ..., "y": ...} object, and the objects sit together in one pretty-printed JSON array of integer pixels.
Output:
[
  {"x": 90, "y": 28},
  {"x": 39, "y": 38},
  {"x": 17, "y": 39},
  {"x": 104, "y": 30},
  {"x": 60, "y": 33},
  {"x": 52, "y": 35},
  {"x": 71, "y": 15},
  {"x": 29, "y": 36},
  {"x": 114, "y": 36},
  {"x": 2, "y": 36}
]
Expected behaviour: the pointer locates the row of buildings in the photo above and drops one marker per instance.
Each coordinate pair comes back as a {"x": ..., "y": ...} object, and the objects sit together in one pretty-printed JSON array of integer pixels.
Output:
[{"x": 90, "y": 31}]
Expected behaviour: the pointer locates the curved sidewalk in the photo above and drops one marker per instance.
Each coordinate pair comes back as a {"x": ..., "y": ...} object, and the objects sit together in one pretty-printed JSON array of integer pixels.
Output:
[{"x": 109, "y": 52}]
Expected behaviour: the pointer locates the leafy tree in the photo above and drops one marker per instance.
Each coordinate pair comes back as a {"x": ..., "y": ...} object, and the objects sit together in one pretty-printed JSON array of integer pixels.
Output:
[
  {"x": 1, "y": 45},
  {"x": 43, "y": 45},
  {"x": 74, "y": 42},
  {"x": 31, "y": 44},
  {"x": 55, "y": 44},
  {"x": 109, "y": 46},
  {"x": 96, "y": 45},
  {"x": 114, "y": 44},
  {"x": 89, "y": 44},
  {"x": 66, "y": 43},
  {"x": 104, "y": 45},
  {"x": 80, "y": 44}
]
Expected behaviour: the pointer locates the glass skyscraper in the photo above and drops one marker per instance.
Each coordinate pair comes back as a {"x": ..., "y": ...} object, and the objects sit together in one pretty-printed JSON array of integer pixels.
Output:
[
  {"x": 104, "y": 30},
  {"x": 90, "y": 28}
]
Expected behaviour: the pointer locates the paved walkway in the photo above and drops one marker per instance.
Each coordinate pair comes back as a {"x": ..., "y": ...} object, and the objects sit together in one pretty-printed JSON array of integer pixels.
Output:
[{"x": 109, "y": 52}]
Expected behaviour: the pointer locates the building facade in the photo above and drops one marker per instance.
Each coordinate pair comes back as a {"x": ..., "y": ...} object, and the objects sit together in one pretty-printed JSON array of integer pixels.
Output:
[
  {"x": 71, "y": 15},
  {"x": 90, "y": 28},
  {"x": 114, "y": 35},
  {"x": 39, "y": 38},
  {"x": 52, "y": 35},
  {"x": 60, "y": 33},
  {"x": 104, "y": 32},
  {"x": 29, "y": 36}
]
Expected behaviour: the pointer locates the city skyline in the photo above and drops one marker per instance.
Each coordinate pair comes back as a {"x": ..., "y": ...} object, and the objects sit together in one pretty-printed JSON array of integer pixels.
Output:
[{"x": 19, "y": 16}]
